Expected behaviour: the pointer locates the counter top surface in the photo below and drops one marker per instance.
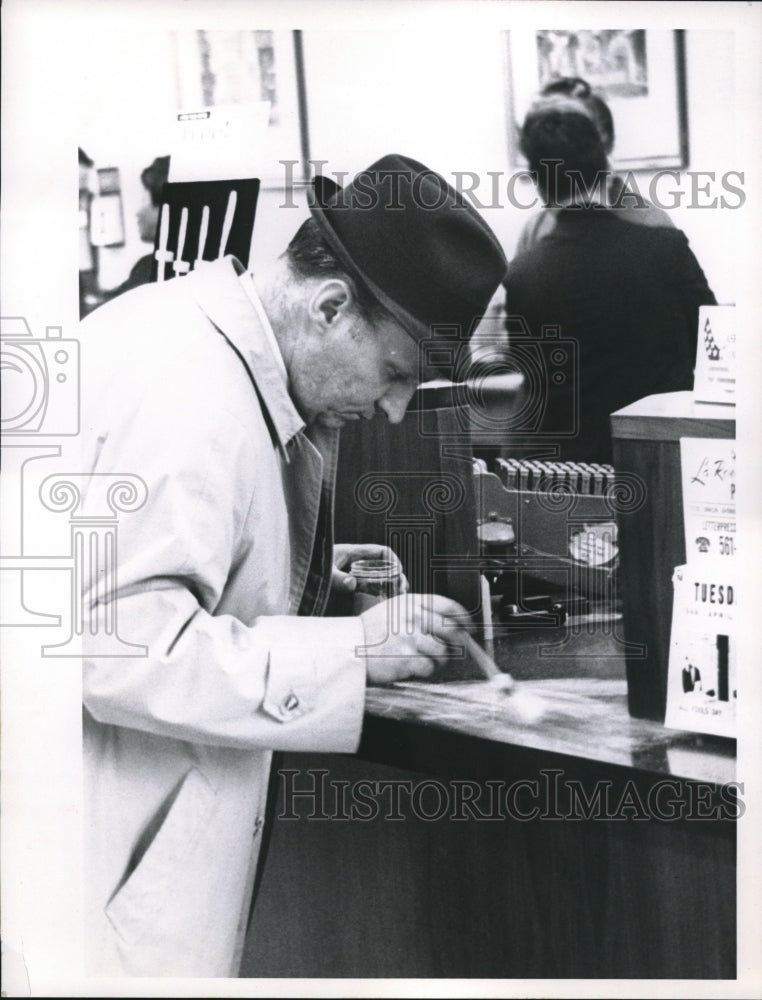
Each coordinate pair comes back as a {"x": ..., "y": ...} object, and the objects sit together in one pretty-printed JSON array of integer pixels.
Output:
[
  {"x": 672, "y": 415},
  {"x": 582, "y": 717}
]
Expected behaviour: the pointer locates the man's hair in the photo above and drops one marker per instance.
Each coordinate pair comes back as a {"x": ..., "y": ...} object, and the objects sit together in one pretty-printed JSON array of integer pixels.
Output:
[
  {"x": 154, "y": 177},
  {"x": 575, "y": 86},
  {"x": 565, "y": 153},
  {"x": 309, "y": 255}
]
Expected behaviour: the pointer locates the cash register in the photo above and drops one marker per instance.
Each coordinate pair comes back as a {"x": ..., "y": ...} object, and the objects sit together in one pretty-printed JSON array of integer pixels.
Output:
[{"x": 542, "y": 534}]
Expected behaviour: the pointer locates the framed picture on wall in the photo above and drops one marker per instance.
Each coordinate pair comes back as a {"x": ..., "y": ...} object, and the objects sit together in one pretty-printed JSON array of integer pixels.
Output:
[
  {"x": 222, "y": 68},
  {"x": 640, "y": 73}
]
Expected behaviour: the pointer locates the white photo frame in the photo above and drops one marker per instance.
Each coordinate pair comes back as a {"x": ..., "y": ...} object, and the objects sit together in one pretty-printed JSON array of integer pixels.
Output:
[
  {"x": 229, "y": 67},
  {"x": 639, "y": 72}
]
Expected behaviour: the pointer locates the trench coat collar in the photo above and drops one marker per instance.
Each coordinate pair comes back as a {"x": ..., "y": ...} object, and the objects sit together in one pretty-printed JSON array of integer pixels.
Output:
[{"x": 218, "y": 291}]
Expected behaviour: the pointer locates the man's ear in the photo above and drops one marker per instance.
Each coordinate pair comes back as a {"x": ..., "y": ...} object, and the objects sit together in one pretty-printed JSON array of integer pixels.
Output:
[{"x": 331, "y": 301}]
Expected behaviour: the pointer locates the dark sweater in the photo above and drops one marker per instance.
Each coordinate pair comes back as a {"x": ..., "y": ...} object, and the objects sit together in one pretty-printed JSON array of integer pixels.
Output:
[{"x": 629, "y": 297}]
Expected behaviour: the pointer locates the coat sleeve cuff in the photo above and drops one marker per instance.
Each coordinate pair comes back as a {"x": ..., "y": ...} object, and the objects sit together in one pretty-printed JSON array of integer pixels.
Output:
[{"x": 316, "y": 681}]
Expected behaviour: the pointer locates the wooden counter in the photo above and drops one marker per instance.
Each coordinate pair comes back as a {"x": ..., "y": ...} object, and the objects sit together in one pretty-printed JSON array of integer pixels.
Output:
[
  {"x": 646, "y": 444},
  {"x": 537, "y": 887},
  {"x": 583, "y": 721}
]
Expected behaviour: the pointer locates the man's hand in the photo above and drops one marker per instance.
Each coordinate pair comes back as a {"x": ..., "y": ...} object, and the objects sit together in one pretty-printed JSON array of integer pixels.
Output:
[
  {"x": 343, "y": 557},
  {"x": 408, "y": 636}
]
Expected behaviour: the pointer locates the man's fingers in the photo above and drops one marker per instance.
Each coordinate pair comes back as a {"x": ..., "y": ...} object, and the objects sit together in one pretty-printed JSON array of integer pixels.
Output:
[
  {"x": 341, "y": 580},
  {"x": 448, "y": 608},
  {"x": 428, "y": 613},
  {"x": 432, "y": 646},
  {"x": 422, "y": 666}
]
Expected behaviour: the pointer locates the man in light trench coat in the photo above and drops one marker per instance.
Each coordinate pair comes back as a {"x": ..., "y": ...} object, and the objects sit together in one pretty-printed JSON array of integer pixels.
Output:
[{"x": 224, "y": 391}]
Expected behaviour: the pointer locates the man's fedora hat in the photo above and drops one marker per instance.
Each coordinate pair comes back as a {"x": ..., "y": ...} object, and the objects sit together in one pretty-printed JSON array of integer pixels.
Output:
[{"x": 423, "y": 252}]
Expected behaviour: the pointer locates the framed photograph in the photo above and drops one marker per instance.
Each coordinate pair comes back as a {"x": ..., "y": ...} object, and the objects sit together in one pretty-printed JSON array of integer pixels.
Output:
[
  {"x": 222, "y": 68},
  {"x": 639, "y": 72}
]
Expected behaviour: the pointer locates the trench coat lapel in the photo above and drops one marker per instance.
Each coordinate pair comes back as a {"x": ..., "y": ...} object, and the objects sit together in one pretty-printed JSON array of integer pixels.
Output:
[
  {"x": 310, "y": 456},
  {"x": 218, "y": 291}
]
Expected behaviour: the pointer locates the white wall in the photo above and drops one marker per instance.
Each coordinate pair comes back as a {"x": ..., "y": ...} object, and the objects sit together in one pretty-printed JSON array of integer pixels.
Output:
[
  {"x": 710, "y": 84},
  {"x": 439, "y": 96},
  {"x": 128, "y": 99},
  {"x": 442, "y": 98}
]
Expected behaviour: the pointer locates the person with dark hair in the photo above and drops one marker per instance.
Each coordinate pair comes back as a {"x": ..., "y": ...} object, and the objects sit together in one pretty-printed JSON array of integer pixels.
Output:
[
  {"x": 577, "y": 88},
  {"x": 626, "y": 295},
  {"x": 89, "y": 296},
  {"x": 153, "y": 178},
  {"x": 566, "y": 156},
  {"x": 570, "y": 94},
  {"x": 221, "y": 395}
]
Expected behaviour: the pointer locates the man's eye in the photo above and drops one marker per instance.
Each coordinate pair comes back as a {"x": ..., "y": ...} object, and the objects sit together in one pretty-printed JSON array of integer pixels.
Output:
[{"x": 401, "y": 377}]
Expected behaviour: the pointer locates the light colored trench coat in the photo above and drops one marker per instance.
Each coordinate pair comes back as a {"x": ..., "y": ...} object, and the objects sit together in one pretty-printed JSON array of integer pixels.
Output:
[{"x": 181, "y": 387}]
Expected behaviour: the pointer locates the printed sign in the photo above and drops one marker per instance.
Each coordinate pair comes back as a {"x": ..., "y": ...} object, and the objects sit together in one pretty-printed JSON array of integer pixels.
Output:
[
  {"x": 715, "y": 373},
  {"x": 226, "y": 142},
  {"x": 701, "y": 688},
  {"x": 709, "y": 497}
]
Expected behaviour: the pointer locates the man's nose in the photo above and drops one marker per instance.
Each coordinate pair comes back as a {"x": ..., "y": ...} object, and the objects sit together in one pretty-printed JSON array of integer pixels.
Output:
[{"x": 394, "y": 404}]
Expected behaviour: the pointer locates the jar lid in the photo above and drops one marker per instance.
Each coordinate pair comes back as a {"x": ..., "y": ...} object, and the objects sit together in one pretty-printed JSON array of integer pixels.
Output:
[{"x": 374, "y": 569}]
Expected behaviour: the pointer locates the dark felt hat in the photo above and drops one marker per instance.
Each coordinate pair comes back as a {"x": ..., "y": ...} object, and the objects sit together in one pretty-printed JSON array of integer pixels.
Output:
[{"x": 423, "y": 251}]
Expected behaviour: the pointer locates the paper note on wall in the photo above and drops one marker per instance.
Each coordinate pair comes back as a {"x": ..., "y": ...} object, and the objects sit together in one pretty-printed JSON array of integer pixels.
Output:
[{"x": 225, "y": 142}]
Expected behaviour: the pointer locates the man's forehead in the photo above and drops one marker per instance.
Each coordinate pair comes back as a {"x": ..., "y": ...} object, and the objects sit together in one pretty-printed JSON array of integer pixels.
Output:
[
  {"x": 412, "y": 361},
  {"x": 416, "y": 362}
]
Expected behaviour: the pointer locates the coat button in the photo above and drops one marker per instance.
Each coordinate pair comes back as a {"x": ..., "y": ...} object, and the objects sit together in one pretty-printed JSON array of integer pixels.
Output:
[
  {"x": 289, "y": 704},
  {"x": 258, "y": 823}
]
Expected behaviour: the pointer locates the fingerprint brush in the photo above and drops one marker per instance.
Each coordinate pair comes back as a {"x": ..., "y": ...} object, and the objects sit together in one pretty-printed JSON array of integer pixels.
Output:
[{"x": 526, "y": 708}]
